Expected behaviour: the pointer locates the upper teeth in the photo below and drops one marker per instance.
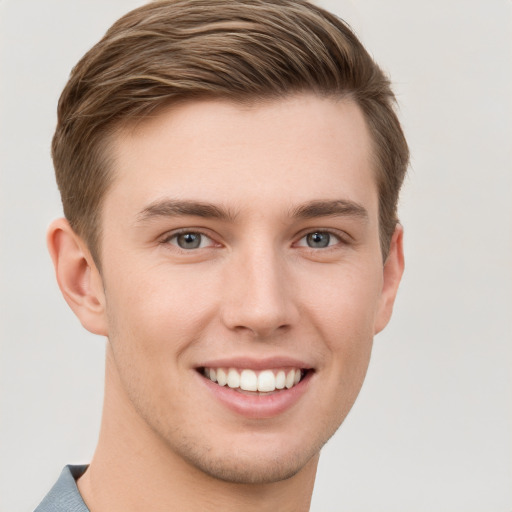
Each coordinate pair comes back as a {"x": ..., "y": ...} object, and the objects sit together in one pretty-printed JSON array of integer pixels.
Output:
[{"x": 249, "y": 380}]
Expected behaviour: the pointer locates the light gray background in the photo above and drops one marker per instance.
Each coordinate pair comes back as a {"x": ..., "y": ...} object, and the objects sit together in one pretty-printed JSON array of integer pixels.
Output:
[{"x": 431, "y": 431}]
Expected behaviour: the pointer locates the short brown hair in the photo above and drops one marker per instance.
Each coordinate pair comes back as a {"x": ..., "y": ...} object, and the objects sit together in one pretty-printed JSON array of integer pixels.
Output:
[{"x": 174, "y": 50}]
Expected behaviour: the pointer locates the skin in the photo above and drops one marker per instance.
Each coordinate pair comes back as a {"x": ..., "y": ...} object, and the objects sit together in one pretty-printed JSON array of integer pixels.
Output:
[{"x": 254, "y": 289}]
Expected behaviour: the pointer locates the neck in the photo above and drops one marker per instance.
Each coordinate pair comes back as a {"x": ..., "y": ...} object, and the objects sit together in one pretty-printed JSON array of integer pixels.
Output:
[{"x": 133, "y": 468}]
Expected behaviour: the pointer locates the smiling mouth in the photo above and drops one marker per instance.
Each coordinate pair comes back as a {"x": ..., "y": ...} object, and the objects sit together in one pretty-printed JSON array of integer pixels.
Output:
[{"x": 246, "y": 380}]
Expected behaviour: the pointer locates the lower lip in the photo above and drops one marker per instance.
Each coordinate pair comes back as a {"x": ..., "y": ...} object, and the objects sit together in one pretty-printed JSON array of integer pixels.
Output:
[{"x": 258, "y": 406}]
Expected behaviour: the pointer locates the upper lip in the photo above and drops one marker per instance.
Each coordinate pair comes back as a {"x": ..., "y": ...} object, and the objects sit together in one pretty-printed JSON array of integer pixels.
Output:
[{"x": 252, "y": 363}]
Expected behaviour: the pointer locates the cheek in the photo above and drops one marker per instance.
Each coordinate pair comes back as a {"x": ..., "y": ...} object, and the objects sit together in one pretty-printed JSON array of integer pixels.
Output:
[
  {"x": 157, "y": 309},
  {"x": 343, "y": 313},
  {"x": 153, "y": 317},
  {"x": 345, "y": 302}
]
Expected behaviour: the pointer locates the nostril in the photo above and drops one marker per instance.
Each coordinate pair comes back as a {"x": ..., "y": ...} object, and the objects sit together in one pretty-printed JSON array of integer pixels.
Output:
[{"x": 262, "y": 330}]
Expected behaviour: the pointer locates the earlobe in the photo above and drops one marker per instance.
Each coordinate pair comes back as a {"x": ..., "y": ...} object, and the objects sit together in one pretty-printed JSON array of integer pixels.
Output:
[
  {"x": 77, "y": 275},
  {"x": 392, "y": 274}
]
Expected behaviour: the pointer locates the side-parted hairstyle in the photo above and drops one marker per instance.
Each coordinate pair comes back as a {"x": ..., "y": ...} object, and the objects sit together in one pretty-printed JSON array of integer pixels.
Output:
[{"x": 240, "y": 50}]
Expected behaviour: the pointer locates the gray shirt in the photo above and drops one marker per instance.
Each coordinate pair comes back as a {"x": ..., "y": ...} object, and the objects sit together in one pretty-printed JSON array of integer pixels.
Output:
[{"x": 64, "y": 495}]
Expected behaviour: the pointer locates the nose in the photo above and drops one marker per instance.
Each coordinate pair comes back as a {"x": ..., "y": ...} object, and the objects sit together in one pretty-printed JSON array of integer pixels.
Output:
[{"x": 259, "y": 298}]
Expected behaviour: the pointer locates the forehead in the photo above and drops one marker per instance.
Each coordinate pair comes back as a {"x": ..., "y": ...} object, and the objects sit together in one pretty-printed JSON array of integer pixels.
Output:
[{"x": 275, "y": 153}]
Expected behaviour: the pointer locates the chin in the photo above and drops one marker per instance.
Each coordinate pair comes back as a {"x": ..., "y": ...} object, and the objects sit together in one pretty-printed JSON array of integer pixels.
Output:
[
  {"x": 252, "y": 460},
  {"x": 255, "y": 471}
]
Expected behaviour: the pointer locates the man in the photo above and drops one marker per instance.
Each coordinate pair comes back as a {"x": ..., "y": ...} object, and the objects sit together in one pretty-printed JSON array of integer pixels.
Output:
[{"x": 229, "y": 173}]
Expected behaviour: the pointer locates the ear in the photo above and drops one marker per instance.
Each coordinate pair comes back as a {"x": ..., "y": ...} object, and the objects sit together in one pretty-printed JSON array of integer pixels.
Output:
[
  {"x": 392, "y": 274},
  {"x": 77, "y": 275}
]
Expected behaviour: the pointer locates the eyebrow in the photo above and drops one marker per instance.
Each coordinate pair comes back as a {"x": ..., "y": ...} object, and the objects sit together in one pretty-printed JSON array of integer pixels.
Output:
[
  {"x": 334, "y": 208},
  {"x": 182, "y": 208},
  {"x": 310, "y": 210}
]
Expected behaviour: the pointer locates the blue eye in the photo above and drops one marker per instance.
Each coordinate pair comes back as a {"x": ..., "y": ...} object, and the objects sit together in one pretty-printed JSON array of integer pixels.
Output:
[
  {"x": 319, "y": 240},
  {"x": 190, "y": 240}
]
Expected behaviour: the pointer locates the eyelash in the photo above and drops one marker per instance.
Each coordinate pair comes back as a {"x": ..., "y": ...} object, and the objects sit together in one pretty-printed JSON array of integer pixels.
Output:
[
  {"x": 175, "y": 234},
  {"x": 342, "y": 239}
]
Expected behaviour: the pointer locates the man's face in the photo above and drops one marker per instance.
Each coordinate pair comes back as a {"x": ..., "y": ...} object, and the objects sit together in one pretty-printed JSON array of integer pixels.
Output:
[{"x": 242, "y": 241}]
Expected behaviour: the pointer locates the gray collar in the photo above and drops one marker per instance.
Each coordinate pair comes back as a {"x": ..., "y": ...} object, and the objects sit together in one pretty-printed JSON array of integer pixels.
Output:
[{"x": 64, "y": 495}]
